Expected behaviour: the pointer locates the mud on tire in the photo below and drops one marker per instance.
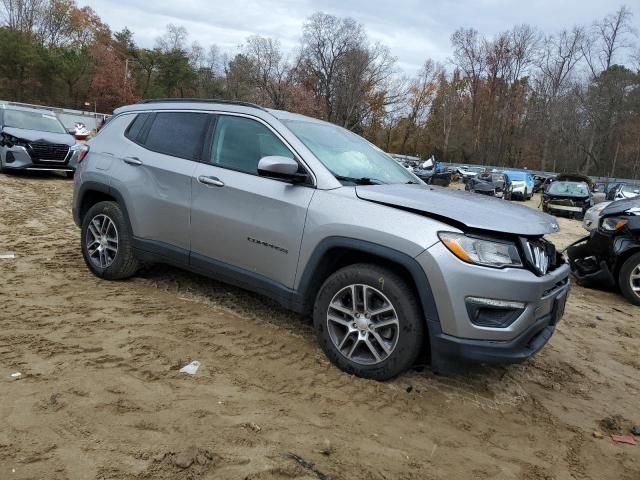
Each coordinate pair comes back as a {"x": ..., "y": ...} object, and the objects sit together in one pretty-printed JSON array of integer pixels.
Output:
[
  {"x": 382, "y": 288},
  {"x": 123, "y": 264}
]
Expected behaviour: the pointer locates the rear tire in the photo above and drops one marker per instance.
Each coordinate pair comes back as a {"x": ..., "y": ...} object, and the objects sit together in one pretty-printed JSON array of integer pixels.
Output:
[
  {"x": 360, "y": 341},
  {"x": 107, "y": 242},
  {"x": 629, "y": 278}
]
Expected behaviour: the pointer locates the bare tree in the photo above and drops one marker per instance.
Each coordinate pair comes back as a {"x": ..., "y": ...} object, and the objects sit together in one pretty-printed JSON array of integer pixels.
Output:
[
  {"x": 327, "y": 40},
  {"x": 606, "y": 38},
  {"x": 272, "y": 71},
  {"x": 421, "y": 93},
  {"x": 470, "y": 57},
  {"x": 174, "y": 39},
  {"x": 22, "y": 15},
  {"x": 560, "y": 55}
]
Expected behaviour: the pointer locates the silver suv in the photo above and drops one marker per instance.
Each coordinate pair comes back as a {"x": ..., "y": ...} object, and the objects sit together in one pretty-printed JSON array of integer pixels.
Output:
[
  {"x": 35, "y": 139},
  {"x": 393, "y": 271}
]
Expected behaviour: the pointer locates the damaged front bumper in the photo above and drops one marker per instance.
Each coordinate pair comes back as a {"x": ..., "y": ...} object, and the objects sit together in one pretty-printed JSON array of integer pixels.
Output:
[{"x": 18, "y": 158}]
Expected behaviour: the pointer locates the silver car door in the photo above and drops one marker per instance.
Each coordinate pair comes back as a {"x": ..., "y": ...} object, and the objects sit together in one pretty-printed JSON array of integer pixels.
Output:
[{"x": 241, "y": 221}]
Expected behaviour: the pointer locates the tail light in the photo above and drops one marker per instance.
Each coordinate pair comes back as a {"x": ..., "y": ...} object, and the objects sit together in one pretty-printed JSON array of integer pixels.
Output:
[{"x": 83, "y": 152}]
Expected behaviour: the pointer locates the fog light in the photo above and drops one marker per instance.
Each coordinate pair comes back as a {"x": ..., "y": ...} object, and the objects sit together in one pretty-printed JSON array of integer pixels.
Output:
[{"x": 488, "y": 312}]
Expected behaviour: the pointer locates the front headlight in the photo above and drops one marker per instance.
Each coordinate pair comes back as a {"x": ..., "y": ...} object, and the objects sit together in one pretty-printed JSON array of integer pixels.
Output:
[
  {"x": 612, "y": 224},
  {"x": 478, "y": 251}
]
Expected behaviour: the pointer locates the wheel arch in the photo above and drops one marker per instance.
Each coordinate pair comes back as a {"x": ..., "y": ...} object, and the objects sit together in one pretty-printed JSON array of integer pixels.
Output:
[
  {"x": 622, "y": 257},
  {"x": 334, "y": 253},
  {"x": 93, "y": 192}
]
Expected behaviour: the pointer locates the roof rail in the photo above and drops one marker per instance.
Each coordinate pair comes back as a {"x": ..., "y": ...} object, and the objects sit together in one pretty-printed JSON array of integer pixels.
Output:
[{"x": 201, "y": 100}]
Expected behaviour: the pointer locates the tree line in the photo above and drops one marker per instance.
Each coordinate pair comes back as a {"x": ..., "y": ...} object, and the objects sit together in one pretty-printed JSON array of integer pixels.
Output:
[{"x": 560, "y": 101}]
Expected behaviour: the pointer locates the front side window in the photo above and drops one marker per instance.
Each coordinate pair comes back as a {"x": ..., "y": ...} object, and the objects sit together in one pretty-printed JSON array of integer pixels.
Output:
[
  {"x": 349, "y": 157},
  {"x": 239, "y": 143},
  {"x": 179, "y": 134},
  {"x": 41, "y": 122}
]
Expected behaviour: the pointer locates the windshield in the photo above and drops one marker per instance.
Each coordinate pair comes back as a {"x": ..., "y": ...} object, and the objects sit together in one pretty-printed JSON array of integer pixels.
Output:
[
  {"x": 41, "y": 122},
  {"x": 631, "y": 188},
  {"x": 349, "y": 157},
  {"x": 576, "y": 189},
  {"x": 475, "y": 169}
]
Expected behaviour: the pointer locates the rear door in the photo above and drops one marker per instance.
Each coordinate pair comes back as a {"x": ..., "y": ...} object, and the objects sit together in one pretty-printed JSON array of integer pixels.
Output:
[
  {"x": 155, "y": 176},
  {"x": 241, "y": 221}
]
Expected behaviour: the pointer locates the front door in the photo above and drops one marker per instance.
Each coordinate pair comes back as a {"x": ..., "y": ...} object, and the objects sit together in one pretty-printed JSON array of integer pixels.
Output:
[{"x": 239, "y": 220}]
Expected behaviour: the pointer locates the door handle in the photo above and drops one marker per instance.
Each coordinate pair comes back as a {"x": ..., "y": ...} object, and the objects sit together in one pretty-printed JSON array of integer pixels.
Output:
[
  {"x": 211, "y": 181},
  {"x": 135, "y": 161}
]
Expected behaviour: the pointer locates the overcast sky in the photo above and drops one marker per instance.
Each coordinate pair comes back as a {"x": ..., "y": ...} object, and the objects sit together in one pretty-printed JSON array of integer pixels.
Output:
[{"x": 413, "y": 29}]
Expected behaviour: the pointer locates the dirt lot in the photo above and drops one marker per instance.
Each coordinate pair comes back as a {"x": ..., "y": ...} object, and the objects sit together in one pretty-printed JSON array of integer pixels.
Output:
[{"x": 100, "y": 396}]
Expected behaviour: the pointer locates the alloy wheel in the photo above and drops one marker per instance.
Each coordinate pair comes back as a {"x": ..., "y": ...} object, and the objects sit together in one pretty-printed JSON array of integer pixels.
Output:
[
  {"x": 363, "y": 324},
  {"x": 634, "y": 280},
  {"x": 102, "y": 241}
]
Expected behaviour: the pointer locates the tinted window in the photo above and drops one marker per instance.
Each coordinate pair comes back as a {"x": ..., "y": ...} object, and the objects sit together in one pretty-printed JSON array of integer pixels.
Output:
[
  {"x": 239, "y": 143},
  {"x": 179, "y": 134},
  {"x": 135, "y": 127}
]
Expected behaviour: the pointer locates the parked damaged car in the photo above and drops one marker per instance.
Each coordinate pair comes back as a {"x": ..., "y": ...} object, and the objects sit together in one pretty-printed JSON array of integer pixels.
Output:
[
  {"x": 433, "y": 173},
  {"x": 326, "y": 224},
  {"x": 569, "y": 195},
  {"x": 622, "y": 190},
  {"x": 489, "y": 183},
  {"x": 540, "y": 181},
  {"x": 610, "y": 255},
  {"x": 35, "y": 139},
  {"x": 518, "y": 185}
]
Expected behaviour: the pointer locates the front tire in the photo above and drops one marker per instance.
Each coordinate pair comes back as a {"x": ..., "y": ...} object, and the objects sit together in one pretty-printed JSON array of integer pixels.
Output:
[
  {"x": 368, "y": 322},
  {"x": 629, "y": 279},
  {"x": 107, "y": 242}
]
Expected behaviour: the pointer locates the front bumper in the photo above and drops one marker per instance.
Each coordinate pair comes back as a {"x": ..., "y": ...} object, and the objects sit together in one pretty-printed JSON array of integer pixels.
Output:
[
  {"x": 17, "y": 158},
  {"x": 455, "y": 335},
  {"x": 518, "y": 189}
]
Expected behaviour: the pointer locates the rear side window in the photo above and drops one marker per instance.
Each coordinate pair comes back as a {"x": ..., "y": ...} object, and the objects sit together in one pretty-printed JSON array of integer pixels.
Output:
[
  {"x": 179, "y": 134},
  {"x": 239, "y": 144}
]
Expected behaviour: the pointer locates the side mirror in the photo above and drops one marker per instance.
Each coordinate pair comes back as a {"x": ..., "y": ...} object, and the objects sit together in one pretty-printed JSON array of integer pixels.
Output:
[{"x": 281, "y": 168}]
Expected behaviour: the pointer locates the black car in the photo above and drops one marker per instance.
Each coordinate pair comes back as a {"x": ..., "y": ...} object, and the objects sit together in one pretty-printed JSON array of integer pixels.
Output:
[
  {"x": 541, "y": 181},
  {"x": 610, "y": 255},
  {"x": 432, "y": 177},
  {"x": 488, "y": 183},
  {"x": 568, "y": 195}
]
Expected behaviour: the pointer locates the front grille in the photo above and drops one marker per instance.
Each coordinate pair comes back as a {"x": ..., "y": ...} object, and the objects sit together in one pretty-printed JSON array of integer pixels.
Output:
[
  {"x": 48, "y": 152},
  {"x": 541, "y": 255}
]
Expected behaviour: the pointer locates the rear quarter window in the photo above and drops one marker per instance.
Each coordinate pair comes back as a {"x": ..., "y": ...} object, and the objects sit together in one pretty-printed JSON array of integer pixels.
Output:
[{"x": 134, "y": 129}]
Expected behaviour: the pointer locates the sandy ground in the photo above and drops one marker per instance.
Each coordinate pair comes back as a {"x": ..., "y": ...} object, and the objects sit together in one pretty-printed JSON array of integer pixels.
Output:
[{"x": 100, "y": 396}]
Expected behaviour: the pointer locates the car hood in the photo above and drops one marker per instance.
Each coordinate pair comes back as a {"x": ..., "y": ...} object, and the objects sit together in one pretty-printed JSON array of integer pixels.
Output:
[
  {"x": 37, "y": 136},
  {"x": 469, "y": 209},
  {"x": 620, "y": 206}
]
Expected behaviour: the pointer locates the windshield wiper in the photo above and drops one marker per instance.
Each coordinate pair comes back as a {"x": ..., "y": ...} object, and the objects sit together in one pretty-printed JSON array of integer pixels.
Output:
[{"x": 360, "y": 181}]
